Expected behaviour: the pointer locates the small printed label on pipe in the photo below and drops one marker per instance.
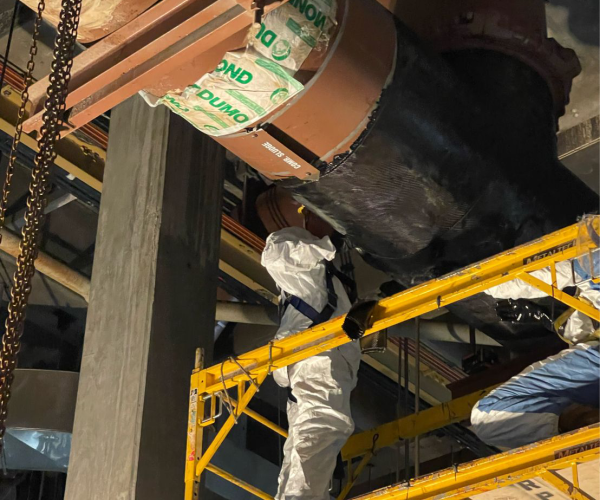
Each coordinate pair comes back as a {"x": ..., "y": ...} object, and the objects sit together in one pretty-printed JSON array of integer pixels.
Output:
[{"x": 280, "y": 154}]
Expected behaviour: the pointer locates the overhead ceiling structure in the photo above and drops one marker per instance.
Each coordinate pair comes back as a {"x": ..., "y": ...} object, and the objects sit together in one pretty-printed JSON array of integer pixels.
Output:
[
  {"x": 425, "y": 134},
  {"x": 503, "y": 169},
  {"x": 427, "y": 153}
]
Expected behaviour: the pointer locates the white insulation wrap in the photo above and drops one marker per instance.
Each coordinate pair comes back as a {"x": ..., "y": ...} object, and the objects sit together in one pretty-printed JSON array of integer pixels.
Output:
[
  {"x": 243, "y": 88},
  {"x": 319, "y": 414},
  {"x": 289, "y": 33}
]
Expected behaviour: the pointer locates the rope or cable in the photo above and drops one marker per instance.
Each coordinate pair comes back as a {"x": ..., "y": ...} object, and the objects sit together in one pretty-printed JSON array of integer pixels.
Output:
[
  {"x": 9, "y": 42},
  {"x": 228, "y": 404},
  {"x": 233, "y": 360}
]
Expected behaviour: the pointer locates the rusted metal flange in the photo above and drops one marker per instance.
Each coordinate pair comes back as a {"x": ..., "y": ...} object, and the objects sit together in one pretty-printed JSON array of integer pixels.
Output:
[
  {"x": 513, "y": 27},
  {"x": 277, "y": 209}
]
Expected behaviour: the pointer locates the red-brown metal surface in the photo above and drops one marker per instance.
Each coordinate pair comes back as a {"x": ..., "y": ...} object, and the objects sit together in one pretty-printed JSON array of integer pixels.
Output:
[
  {"x": 433, "y": 361},
  {"x": 277, "y": 209},
  {"x": 185, "y": 38},
  {"x": 140, "y": 54},
  {"x": 177, "y": 41},
  {"x": 513, "y": 27},
  {"x": 243, "y": 233},
  {"x": 336, "y": 104},
  {"x": 96, "y": 134},
  {"x": 15, "y": 80},
  {"x": 99, "y": 18},
  {"x": 213, "y": 33},
  {"x": 272, "y": 158},
  {"x": 118, "y": 47},
  {"x": 191, "y": 71}
]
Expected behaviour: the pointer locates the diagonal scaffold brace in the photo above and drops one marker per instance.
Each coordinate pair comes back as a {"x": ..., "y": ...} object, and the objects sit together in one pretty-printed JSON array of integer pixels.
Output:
[{"x": 210, "y": 384}]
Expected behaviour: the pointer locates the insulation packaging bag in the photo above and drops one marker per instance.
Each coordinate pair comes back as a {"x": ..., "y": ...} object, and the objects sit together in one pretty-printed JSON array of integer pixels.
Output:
[
  {"x": 243, "y": 88},
  {"x": 289, "y": 33},
  {"x": 248, "y": 85}
]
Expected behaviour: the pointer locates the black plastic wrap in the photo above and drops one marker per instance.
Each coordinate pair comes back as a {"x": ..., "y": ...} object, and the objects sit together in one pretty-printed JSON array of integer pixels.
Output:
[{"x": 459, "y": 163}]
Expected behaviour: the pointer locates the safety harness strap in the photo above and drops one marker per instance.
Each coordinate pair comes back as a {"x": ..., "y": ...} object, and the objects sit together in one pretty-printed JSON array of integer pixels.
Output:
[
  {"x": 345, "y": 280},
  {"x": 309, "y": 311}
]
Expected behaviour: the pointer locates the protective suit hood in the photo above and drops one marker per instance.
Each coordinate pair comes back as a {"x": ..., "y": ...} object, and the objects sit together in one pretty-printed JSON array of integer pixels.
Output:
[{"x": 292, "y": 254}]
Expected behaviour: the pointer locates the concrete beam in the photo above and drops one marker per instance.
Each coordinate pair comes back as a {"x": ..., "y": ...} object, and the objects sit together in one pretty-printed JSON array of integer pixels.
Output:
[{"x": 152, "y": 303}]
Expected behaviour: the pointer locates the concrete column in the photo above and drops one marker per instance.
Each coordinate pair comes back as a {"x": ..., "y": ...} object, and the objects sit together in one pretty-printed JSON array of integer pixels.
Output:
[{"x": 152, "y": 302}]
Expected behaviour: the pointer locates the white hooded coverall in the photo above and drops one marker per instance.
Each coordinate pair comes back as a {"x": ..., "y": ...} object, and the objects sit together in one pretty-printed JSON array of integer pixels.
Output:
[
  {"x": 320, "y": 421},
  {"x": 527, "y": 408}
]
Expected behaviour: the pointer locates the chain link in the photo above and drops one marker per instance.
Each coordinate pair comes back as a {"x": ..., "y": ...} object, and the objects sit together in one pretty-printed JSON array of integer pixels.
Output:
[
  {"x": 53, "y": 121},
  {"x": 12, "y": 159}
]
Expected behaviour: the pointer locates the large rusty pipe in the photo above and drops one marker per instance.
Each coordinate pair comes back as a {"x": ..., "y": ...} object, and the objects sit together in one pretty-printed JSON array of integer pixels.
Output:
[
  {"x": 49, "y": 267},
  {"x": 454, "y": 167},
  {"x": 456, "y": 163},
  {"x": 427, "y": 162}
]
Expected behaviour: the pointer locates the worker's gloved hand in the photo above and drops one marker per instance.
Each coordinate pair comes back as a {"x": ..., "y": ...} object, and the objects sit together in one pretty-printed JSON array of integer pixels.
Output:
[{"x": 523, "y": 311}]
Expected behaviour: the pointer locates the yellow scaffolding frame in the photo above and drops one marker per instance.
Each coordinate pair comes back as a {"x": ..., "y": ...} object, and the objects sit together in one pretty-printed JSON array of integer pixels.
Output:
[
  {"x": 411, "y": 426},
  {"x": 538, "y": 459},
  {"x": 207, "y": 385}
]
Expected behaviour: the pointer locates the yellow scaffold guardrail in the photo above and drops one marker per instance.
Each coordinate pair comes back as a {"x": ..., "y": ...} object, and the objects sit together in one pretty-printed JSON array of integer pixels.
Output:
[
  {"x": 541, "y": 459},
  {"x": 209, "y": 387}
]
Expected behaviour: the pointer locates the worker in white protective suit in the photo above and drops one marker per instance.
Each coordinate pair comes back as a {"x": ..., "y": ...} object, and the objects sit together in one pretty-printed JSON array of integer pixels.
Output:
[
  {"x": 318, "y": 409},
  {"x": 558, "y": 394}
]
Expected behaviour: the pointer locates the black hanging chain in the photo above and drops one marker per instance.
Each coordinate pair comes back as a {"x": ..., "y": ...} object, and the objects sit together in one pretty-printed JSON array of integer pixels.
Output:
[{"x": 53, "y": 120}]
